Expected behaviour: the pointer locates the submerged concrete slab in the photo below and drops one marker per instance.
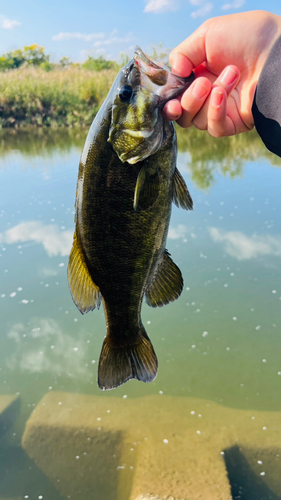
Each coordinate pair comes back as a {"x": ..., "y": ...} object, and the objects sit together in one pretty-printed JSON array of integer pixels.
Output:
[
  {"x": 162, "y": 446},
  {"x": 9, "y": 411}
]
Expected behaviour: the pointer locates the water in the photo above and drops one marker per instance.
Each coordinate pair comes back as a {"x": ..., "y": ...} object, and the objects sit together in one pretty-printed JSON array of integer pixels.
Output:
[{"x": 218, "y": 346}]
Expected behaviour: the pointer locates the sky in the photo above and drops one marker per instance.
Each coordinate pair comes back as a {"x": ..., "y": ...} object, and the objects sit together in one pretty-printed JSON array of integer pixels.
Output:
[{"x": 78, "y": 28}]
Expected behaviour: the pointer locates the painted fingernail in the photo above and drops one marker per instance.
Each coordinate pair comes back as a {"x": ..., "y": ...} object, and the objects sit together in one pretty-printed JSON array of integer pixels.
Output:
[
  {"x": 200, "y": 90},
  {"x": 229, "y": 77},
  {"x": 217, "y": 98}
]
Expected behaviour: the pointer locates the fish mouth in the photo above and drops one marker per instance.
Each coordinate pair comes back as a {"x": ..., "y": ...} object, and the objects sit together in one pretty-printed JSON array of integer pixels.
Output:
[{"x": 158, "y": 77}]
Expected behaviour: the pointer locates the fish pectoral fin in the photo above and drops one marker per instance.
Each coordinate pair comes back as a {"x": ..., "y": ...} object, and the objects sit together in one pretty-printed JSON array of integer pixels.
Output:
[
  {"x": 167, "y": 283},
  {"x": 147, "y": 189},
  {"x": 181, "y": 196},
  {"x": 85, "y": 293}
]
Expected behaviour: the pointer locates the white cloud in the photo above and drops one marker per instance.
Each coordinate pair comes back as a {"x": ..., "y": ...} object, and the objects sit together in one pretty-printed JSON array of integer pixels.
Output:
[
  {"x": 234, "y": 5},
  {"x": 66, "y": 355},
  {"x": 243, "y": 247},
  {"x": 196, "y": 2},
  {"x": 8, "y": 24},
  {"x": 203, "y": 11},
  {"x": 113, "y": 40},
  {"x": 157, "y": 6},
  {"x": 54, "y": 241},
  {"x": 78, "y": 36}
]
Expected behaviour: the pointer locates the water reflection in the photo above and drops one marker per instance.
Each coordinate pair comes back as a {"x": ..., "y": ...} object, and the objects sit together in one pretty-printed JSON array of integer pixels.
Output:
[
  {"x": 242, "y": 247},
  {"x": 218, "y": 345},
  {"x": 53, "y": 350},
  {"x": 40, "y": 142},
  {"x": 54, "y": 240},
  {"x": 209, "y": 157}
]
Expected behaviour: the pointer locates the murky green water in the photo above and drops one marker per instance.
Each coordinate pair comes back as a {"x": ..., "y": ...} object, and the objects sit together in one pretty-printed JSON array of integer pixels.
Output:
[{"x": 221, "y": 341}]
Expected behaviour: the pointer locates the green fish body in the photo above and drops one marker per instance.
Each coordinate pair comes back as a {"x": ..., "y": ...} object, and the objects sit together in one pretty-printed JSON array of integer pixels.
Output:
[{"x": 126, "y": 183}]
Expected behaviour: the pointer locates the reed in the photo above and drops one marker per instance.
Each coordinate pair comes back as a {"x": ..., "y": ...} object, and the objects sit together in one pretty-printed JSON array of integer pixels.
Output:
[{"x": 61, "y": 97}]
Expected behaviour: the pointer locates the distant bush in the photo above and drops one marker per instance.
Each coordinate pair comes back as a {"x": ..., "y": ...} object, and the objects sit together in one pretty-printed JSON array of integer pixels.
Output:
[
  {"x": 32, "y": 55},
  {"x": 98, "y": 64}
]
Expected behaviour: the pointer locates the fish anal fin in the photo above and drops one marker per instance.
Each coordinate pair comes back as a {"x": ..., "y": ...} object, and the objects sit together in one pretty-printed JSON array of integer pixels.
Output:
[
  {"x": 147, "y": 188},
  {"x": 167, "y": 283},
  {"x": 85, "y": 293},
  {"x": 181, "y": 195},
  {"x": 118, "y": 364}
]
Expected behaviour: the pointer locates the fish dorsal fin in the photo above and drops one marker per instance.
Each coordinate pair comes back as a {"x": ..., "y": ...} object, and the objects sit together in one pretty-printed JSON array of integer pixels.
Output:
[
  {"x": 181, "y": 196},
  {"x": 85, "y": 293},
  {"x": 167, "y": 283},
  {"x": 147, "y": 188}
]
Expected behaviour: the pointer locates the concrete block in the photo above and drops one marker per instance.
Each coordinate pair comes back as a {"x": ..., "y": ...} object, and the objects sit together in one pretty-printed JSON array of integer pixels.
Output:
[{"x": 152, "y": 448}]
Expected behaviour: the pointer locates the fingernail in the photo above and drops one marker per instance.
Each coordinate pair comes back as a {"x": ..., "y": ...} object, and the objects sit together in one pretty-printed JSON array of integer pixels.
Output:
[
  {"x": 229, "y": 76},
  {"x": 200, "y": 90},
  {"x": 217, "y": 98}
]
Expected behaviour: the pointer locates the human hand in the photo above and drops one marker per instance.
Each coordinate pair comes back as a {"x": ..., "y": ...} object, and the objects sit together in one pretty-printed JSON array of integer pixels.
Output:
[{"x": 227, "y": 55}]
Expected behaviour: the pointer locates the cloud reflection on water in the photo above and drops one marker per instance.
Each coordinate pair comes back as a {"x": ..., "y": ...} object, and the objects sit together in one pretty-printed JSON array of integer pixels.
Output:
[
  {"x": 45, "y": 347},
  {"x": 180, "y": 231},
  {"x": 54, "y": 241},
  {"x": 243, "y": 247}
]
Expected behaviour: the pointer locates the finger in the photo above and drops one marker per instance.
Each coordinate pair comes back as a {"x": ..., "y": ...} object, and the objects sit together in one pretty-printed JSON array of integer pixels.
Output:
[
  {"x": 192, "y": 100},
  {"x": 227, "y": 80},
  {"x": 219, "y": 123},
  {"x": 190, "y": 53},
  {"x": 181, "y": 65},
  {"x": 172, "y": 110}
]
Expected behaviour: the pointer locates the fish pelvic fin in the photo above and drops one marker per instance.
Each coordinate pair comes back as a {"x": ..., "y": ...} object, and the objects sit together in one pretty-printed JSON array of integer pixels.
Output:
[
  {"x": 85, "y": 293},
  {"x": 167, "y": 283},
  {"x": 181, "y": 195},
  {"x": 118, "y": 364}
]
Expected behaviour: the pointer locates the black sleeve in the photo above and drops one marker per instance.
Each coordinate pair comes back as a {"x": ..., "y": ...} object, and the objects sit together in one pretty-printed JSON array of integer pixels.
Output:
[{"x": 266, "y": 107}]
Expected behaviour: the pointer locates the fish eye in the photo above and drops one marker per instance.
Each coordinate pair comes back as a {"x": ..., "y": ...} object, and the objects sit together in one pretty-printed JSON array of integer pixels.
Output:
[{"x": 125, "y": 93}]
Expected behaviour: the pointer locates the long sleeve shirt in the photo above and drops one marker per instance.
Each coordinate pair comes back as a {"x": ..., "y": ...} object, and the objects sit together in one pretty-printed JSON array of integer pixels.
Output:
[{"x": 266, "y": 107}]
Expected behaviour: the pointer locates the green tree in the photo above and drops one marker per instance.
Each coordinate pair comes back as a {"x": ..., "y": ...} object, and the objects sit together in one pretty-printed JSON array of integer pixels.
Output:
[
  {"x": 98, "y": 64},
  {"x": 33, "y": 55},
  {"x": 65, "y": 61}
]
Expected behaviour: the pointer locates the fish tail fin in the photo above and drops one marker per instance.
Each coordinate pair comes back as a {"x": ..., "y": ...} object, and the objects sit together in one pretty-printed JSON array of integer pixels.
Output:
[{"x": 118, "y": 364}]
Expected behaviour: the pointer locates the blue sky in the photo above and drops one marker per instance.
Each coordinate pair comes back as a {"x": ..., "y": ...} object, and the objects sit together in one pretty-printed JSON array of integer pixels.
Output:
[{"x": 75, "y": 28}]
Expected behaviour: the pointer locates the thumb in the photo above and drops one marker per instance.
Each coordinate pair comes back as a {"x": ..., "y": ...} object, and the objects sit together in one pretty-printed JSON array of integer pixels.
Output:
[{"x": 190, "y": 53}]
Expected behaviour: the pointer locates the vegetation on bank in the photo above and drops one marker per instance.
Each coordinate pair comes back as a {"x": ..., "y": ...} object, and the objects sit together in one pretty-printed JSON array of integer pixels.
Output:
[
  {"x": 35, "y": 91},
  {"x": 32, "y": 96}
]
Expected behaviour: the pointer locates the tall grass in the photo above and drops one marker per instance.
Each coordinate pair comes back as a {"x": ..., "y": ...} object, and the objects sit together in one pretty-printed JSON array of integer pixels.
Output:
[{"x": 61, "y": 97}]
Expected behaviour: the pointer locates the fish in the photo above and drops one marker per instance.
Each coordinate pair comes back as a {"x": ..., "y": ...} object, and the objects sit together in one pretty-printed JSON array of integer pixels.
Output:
[{"x": 127, "y": 180}]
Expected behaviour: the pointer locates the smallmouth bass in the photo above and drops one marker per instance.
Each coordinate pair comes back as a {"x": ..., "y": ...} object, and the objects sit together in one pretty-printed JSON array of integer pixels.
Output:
[{"x": 127, "y": 181}]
